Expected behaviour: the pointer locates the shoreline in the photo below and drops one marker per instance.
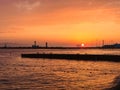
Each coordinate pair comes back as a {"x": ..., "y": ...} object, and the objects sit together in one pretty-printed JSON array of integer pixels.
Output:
[
  {"x": 56, "y": 48},
  {"x": 116, "y": 83}
]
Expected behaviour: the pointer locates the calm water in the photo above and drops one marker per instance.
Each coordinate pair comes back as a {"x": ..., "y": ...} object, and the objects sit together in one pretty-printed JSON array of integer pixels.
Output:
[{"x": 18, "y": 73}]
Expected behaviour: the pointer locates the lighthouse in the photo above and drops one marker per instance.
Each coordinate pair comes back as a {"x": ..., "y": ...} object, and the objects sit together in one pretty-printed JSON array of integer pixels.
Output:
[{"x": 35, "y": 45}]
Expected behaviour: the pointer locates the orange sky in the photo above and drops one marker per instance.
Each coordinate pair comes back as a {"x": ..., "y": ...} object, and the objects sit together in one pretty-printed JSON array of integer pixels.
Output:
[{"x": 60, "y": 22}]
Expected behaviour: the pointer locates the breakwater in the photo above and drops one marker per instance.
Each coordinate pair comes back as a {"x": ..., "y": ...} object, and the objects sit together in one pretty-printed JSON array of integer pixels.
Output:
[{"x": 115, "y": 58}]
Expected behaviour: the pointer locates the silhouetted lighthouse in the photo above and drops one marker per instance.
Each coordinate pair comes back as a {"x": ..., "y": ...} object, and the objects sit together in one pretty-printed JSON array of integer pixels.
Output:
[
  {"x": 46, "y": 45},
  {"x": 35, "y": 45}
]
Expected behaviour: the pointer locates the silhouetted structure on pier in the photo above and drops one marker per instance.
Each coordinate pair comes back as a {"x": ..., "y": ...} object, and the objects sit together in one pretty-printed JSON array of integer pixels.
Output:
[
  {"x": 111, "y": 46},
  {"x": 35, "y": 45}
]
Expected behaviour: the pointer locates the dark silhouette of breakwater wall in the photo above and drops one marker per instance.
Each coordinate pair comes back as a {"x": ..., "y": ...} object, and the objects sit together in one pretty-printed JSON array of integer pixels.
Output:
[{"x": 115, "y": 58}]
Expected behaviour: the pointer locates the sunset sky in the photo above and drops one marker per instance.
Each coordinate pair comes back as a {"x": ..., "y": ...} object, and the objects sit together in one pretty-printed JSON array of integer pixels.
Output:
[{"x": 60, "y": 22}]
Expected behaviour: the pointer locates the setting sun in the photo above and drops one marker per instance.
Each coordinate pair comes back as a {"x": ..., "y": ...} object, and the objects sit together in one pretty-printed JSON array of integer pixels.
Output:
[{"x": 82, "y": 45}]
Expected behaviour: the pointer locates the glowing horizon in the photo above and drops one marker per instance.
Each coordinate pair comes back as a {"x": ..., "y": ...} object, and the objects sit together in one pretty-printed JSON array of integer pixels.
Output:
[{"x": 60, "y": 22}]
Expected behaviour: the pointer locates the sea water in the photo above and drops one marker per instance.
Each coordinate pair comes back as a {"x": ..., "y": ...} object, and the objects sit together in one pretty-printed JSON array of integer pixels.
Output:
[{"x": 18, "y": 73}]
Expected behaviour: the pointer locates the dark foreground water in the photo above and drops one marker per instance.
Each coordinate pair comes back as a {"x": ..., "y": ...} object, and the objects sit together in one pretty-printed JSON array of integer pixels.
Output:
[{"x": 18, "y": 73}]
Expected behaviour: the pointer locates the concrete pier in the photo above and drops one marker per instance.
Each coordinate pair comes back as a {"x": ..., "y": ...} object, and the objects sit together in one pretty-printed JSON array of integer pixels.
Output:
[{"x": 115, "y": 58}]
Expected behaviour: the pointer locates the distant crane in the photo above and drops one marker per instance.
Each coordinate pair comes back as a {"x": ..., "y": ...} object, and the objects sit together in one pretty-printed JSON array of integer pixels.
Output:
[
  {"x": 5, "y": 45},
  {"x": 103, "y": 42}
]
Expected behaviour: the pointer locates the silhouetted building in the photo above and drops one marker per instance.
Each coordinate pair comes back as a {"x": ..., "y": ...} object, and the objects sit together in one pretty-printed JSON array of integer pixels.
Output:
[
  {"x": 35, "y": 45},
  {"x": 112, "y": 46}
]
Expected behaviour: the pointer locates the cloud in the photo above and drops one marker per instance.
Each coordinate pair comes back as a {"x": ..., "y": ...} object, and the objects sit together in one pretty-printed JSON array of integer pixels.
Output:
[
  {"x": 113, "y": 3},
  {"x": 11, "y": 29},
  {"x": 81, "y": 3},
  {"x": 58, "y": 11},
  {"x": 27, "y": 4}
]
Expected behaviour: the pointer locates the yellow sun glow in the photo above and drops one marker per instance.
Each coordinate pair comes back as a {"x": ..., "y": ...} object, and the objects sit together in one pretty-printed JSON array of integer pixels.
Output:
[{"x": 82, "y": 45}]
